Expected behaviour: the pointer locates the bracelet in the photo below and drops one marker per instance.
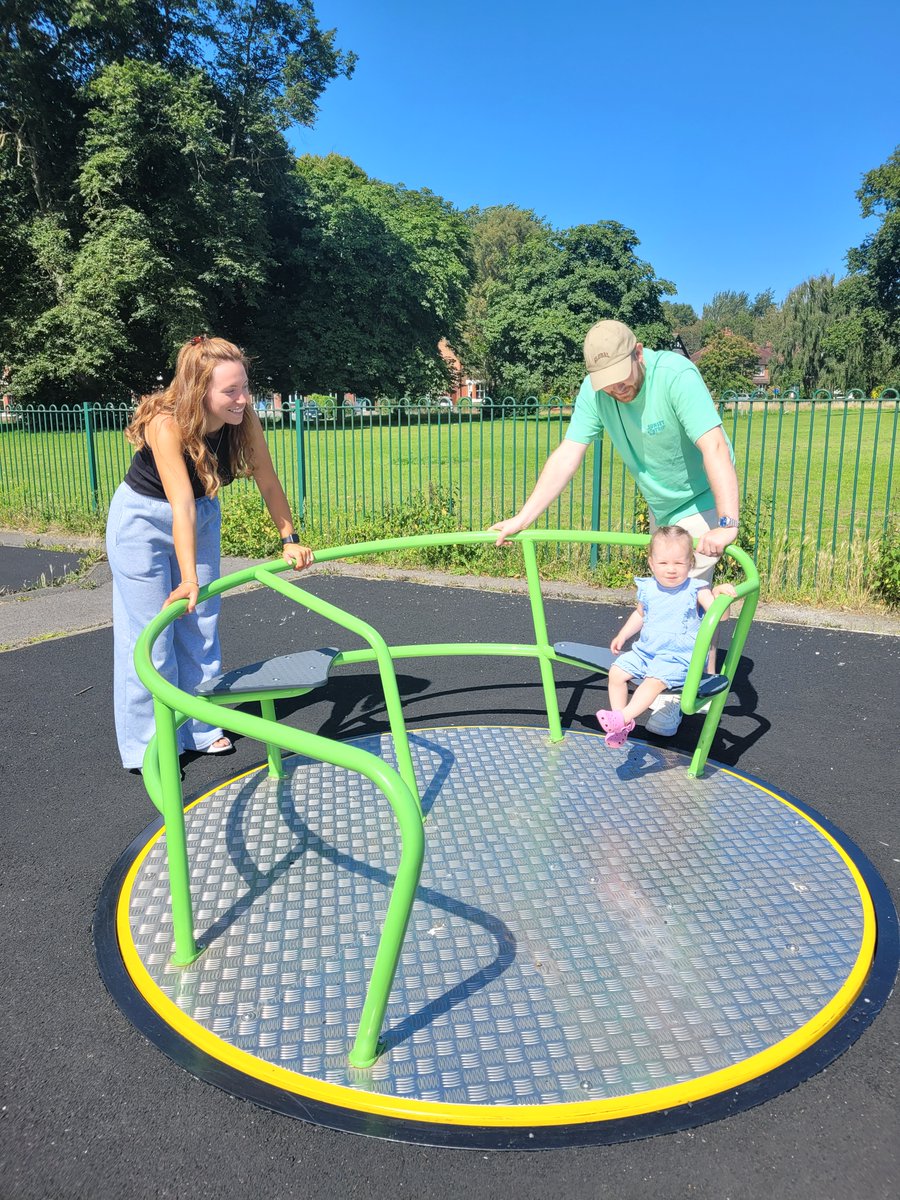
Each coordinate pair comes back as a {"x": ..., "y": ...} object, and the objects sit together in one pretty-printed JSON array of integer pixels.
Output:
[
  {"x": 196, "y": 581},
  {"x": 290, "y": 540}
]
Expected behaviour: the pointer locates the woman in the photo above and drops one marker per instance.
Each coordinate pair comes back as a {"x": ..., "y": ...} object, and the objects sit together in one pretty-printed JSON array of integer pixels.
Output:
[{"x": 163, "y": 531}]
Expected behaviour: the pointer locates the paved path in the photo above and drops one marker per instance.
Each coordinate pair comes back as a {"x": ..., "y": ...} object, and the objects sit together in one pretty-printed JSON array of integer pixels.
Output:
[{"x": 24, "y": 567}]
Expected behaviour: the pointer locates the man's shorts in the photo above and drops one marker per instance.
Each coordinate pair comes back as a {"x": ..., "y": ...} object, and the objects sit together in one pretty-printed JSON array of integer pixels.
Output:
[{"x": 697, "y": 524}]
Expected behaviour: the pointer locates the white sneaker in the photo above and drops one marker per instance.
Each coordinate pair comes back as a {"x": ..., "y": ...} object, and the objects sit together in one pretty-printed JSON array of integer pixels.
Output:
[{"x": 665, "y": 716}]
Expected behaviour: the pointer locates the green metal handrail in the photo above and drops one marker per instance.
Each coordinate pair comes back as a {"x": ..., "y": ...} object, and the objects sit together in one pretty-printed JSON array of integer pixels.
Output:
[
  {"x": 162, "y": 776},
  {"x": 163, "y": 780}
]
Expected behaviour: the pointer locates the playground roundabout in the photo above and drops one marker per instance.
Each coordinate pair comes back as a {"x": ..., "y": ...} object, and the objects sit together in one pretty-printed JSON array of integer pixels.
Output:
[{"x": 496, "y": 937}]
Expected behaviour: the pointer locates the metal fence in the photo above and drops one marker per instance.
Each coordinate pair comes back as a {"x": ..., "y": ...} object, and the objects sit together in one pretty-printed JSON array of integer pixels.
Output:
[{"x": 816, "y": 473}]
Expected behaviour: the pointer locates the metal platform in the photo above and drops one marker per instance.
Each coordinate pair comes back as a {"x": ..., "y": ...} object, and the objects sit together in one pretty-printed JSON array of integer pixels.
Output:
[{"x": 597, "y": 935}]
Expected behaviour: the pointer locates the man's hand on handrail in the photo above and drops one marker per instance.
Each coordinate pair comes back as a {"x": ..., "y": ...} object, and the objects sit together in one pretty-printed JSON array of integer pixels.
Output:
[{"x": 507, "y": 529}]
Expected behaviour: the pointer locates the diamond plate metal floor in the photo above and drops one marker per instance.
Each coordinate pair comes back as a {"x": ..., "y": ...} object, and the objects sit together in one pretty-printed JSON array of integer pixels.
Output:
[{"x": 592, "y": 926}]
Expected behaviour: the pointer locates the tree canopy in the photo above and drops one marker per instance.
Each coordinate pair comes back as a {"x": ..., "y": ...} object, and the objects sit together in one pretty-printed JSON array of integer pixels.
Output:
[
  {"x": 149, "y": 193},
  {"x": 879, "y": 255},
  {"x": 846, "y": 334},
  {"x": 142, "y": 153},
  {"x": 728, "y": 362},
  {"x": 552, "y": 287},
  {"x": 384, "y": 273}
]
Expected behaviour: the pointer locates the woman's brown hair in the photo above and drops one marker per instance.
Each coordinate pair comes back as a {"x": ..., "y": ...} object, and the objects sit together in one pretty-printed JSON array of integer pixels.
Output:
[{"x": 184, "y": 400}]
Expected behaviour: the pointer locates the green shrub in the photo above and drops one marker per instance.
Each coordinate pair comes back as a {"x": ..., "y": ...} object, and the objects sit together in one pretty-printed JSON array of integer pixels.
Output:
[
  {"x": 617, "y": 566},
  {"x": 19, "y": 509},
  {"x": 885, "y": 578},
  {"x": 435, "y": 511},
  {"x": 247, "y": 529},
  {"x": 753, "y": 514}
]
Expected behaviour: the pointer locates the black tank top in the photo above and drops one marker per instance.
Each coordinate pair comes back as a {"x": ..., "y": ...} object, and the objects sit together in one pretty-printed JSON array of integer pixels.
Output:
[{"x": 143, "y": 477}]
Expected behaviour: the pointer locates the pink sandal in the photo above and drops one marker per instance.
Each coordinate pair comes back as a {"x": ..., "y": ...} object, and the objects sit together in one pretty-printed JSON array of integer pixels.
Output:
[
  {"x": 616, "y": 727},
  {"x": 610, "y": 719}
]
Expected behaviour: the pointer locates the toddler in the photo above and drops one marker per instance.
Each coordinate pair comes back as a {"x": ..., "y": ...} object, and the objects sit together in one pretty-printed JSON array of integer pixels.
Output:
[{"x": 668, "y": 616}]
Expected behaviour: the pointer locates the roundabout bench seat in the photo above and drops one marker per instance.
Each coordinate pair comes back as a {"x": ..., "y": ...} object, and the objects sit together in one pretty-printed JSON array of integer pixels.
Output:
[
  {"x": 282, "y": 677},
  {"x": 602, "y": 658},
  {"x": 279, "y": 678}
]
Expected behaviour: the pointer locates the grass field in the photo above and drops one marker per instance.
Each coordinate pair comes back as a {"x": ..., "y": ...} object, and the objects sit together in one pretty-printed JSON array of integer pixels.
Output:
[{"x": 817, "y": 479}]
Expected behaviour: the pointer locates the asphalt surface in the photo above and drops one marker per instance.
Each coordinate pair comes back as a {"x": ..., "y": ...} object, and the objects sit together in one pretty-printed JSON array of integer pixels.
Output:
[
  {"x": 22, "y": 568},
  {"x": 91, "y": 1109}
]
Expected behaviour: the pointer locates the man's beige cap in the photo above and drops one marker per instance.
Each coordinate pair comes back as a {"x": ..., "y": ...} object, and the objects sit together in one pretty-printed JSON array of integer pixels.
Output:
[{"x": 607, "y": 353}]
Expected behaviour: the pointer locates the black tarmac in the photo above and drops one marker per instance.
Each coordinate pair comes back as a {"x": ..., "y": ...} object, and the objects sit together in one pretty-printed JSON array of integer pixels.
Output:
[
  {"x": 28, "y": 567},
  {"x": 91, "y": 1109}
]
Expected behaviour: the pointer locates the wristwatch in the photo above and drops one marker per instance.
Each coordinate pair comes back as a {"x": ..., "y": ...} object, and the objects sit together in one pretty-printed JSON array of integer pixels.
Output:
[
  {"x": 728, "y": 522},
  {"x": 290, "y": 540}
]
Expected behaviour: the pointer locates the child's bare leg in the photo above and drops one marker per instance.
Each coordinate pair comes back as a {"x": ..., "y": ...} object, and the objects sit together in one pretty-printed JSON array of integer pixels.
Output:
[
  {"x": 646, "y": 691},
  {"x": 618, "y": 687}
]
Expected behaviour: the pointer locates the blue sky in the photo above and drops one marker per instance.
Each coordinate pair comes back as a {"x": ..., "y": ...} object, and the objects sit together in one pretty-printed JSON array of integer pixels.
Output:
[{"x": 732, "y": 139}]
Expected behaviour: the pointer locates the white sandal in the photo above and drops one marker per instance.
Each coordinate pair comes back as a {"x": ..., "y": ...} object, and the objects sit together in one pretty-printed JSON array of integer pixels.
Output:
[{"x": 215, "y": 748}]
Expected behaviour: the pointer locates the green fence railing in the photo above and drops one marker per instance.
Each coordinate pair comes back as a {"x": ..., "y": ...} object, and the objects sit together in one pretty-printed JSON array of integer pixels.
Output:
[{"x": 816, "y": 473}]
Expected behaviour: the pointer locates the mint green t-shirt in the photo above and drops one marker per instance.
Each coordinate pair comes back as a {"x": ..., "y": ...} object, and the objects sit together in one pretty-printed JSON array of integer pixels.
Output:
[{"x": 656, "y": 432}]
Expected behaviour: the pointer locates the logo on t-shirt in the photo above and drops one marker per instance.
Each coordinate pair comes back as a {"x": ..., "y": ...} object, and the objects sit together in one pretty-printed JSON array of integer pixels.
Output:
[{"x": 655, "y": 427}]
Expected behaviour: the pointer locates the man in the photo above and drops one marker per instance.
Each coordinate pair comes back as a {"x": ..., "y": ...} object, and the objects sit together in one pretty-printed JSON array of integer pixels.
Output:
[{"x": 659, "y": 415}]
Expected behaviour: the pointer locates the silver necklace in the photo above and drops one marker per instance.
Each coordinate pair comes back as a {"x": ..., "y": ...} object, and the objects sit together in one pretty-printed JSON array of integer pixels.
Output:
[{"x": 219, "y": 443}]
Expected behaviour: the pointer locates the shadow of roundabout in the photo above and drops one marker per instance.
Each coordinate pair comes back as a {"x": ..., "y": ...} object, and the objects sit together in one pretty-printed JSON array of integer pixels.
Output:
[{"x": 307, "y": 842}]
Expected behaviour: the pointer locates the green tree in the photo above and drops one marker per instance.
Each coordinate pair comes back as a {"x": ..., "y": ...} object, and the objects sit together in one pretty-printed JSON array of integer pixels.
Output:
[
  {"x": 751, "y": 319},
  {"x": 867, "y": 335},
  {"x": 727, "y": 310},
  {"x": 728, "y": 361},
  {"x": 495, "y": 233},
  {"x": 860, "y": 351},
  {"x": 50, "y": 50},
  {"x": 678, "y": 315},
  {"x": 762, "y": 304},
  {"x": 879, "y": 255},
  {"x": 383, "y": 273},
  {"x": 802, "y": 354},
  {"x": 766, "y": 317},
  {"x": 554, "y": 288},
  {"x": 173, "y": 236},
  {"x": 683, "y": 323},
  {"x": 146, "y": 180},
  {"x": 833, "y": 336},
  {"x": 272, "y": 63}
]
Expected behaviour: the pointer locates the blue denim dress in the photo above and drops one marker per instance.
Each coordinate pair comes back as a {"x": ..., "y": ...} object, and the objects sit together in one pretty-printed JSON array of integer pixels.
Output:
[{"x": 672, "y": 619}]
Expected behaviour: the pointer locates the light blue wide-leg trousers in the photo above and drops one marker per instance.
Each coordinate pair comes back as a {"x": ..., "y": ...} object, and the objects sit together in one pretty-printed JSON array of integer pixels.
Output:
[{"x": 141, "y": 554}]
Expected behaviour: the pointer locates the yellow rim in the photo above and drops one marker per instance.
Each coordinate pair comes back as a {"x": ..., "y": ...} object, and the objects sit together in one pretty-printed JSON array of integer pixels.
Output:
[{"x": 578, "y": 1112}]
